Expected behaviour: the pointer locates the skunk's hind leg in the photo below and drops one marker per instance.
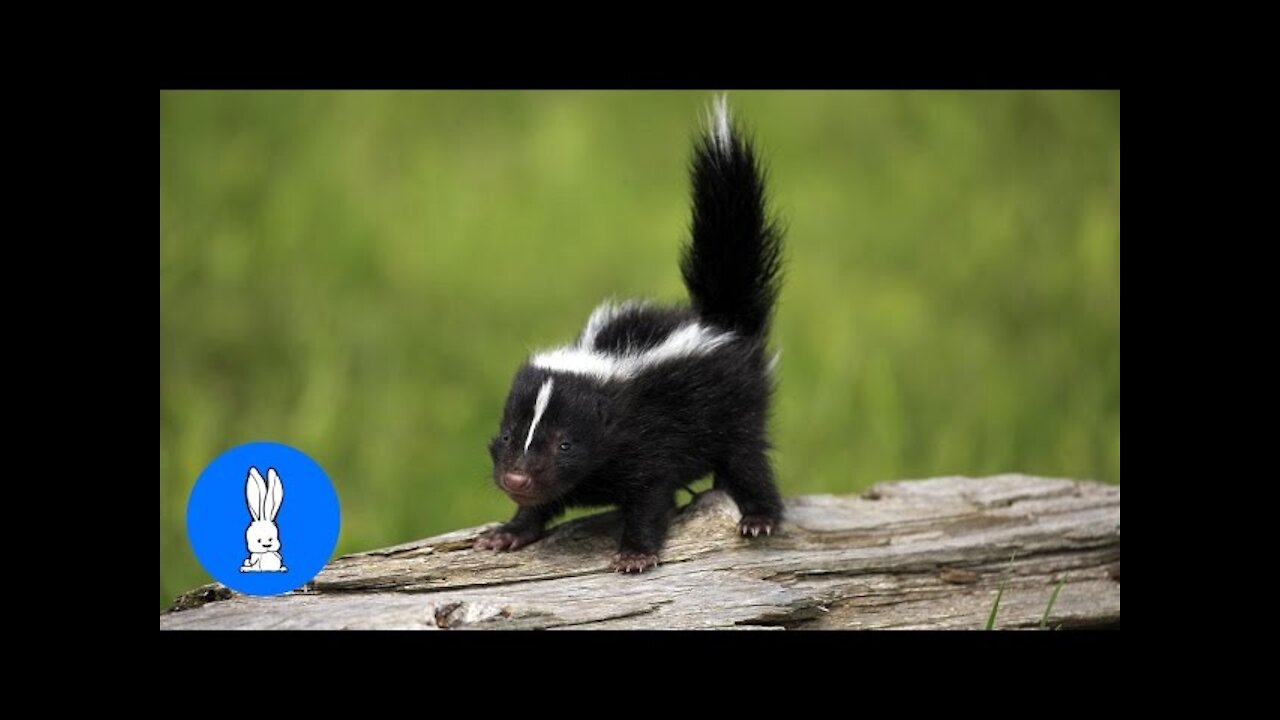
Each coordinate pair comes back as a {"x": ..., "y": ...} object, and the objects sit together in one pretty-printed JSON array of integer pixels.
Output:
[{"x": 748, "y": 478}]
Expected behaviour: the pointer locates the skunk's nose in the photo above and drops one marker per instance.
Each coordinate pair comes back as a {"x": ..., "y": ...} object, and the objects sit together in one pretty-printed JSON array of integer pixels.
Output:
[{"x": 516, "y": 482}]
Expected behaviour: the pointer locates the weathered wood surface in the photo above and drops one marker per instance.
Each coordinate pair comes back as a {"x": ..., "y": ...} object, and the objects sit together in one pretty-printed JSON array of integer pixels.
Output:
[{"x": 911, "y": 554}]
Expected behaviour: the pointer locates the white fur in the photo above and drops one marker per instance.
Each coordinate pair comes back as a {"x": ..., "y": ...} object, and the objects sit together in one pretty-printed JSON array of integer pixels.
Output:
[
  {"x": 539, "y": 407},
  {"x": 720, "y": 128},
  {"x": 690, "y": 339},
  {"x": 600, "y": 318}
]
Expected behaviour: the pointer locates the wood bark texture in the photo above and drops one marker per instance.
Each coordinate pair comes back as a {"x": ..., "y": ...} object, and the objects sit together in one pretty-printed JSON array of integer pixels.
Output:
[{"x": 907, "y": 554}]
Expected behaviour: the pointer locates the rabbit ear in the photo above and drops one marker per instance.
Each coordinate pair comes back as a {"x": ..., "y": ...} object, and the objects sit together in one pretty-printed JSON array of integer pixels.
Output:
[
  {"x": 254, "y": 492},
  {"x": 275, "y": 495}
]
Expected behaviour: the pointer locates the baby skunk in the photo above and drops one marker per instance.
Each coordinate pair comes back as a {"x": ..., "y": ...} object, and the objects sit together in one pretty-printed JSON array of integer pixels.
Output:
[{"x": 650, "y": 398}]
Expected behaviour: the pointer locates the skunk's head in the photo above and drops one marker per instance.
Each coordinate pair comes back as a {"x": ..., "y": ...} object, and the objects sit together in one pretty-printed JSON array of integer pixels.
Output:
[{"x": 552, "y": 433}]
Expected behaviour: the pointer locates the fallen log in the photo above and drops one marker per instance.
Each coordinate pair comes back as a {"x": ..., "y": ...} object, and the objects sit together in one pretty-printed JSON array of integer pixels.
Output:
[{"x": 907, "y": 554}]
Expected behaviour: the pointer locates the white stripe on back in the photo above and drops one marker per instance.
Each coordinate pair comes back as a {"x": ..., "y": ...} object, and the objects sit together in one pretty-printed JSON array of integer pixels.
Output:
[
  {"x": 539, "y": 407},
  {"x": 604, "y": 314},
  {"x": 688, "y": 340}
]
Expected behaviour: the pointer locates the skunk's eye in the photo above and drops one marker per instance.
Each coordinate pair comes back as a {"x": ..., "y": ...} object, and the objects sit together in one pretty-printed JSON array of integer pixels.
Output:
[
  {"x": 564, "y": 447},
  {"x": 506, "y": 437}
]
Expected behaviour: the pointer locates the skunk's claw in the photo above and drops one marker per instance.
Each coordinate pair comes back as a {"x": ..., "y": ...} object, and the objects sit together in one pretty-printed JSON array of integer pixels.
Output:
[
  {"x": 503, "y": 541},
  {"x": 629, "y": 562},
  {"x": 754, "y": 525}
]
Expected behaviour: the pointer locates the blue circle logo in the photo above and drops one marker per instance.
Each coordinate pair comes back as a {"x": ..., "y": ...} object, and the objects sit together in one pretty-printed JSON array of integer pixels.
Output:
[{"x": 263, "y": 518}]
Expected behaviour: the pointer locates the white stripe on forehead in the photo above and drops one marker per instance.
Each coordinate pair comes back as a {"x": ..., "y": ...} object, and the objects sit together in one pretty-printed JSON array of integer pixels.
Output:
[{"x": 539, "y": 407}]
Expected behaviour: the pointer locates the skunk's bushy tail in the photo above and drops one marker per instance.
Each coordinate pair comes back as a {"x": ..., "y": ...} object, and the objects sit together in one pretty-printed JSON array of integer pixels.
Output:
[{"x": 732, "y": 265}]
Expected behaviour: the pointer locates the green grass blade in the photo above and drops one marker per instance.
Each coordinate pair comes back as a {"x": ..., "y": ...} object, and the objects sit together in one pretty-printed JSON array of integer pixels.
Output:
[
  {"x": 1044, "y": 621},
  {"x": 991, "y": 619}
]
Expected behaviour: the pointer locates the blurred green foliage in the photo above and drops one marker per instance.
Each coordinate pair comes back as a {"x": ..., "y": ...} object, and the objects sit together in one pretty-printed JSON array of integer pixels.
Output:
[{"x": 358, "y": 274}]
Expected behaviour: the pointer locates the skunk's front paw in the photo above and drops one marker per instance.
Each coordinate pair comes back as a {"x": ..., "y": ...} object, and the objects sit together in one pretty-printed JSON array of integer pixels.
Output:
[
  {"x": 756, "y": 525},
  {"x": 504, "y": 540},
  {"x": 629, "y": 561}
]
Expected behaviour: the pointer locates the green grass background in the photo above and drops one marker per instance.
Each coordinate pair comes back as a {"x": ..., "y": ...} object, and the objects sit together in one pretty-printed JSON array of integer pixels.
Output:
[{"x": 358, "y": 274}]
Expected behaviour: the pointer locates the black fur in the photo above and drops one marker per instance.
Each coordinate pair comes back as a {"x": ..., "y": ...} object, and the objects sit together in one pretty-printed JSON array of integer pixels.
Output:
[
  {"x": 729, "y": 284},
  {"x": 634, "y": 441}
]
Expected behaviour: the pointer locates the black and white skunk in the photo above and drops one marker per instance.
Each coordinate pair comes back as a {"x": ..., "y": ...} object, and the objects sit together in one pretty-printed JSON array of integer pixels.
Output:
[{"x": 649, "y": 397}]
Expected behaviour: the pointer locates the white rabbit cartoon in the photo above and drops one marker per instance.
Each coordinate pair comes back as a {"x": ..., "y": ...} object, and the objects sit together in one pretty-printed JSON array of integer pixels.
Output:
[{"x": 263, "y": 537}]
